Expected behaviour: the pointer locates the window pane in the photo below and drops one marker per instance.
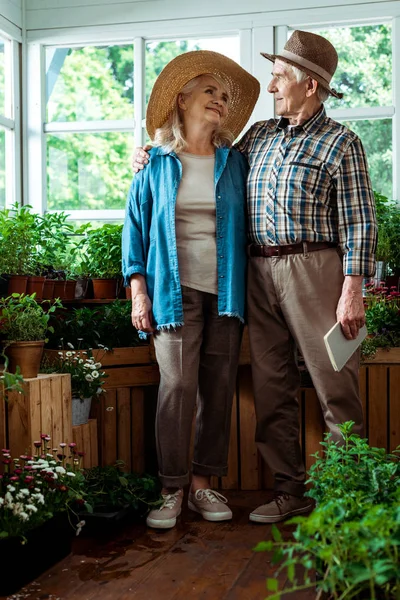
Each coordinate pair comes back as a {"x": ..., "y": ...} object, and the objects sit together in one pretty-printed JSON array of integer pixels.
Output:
[
  {"x": 2, "y": 168},
  {"x": 376, "y": 137},
  {"x": 88, "y": 171},
  {"x": 2, "y": 78},
  {"x": 159, "y": 54},
  {"x": 364, "y": 72},
  {"x": 90, "y": 83}
]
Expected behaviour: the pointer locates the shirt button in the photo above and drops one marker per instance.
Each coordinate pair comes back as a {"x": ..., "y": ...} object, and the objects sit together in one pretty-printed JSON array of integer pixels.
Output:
[
  {"x": 219, "y": 197},
  {"x": 221, "y": 236},
  {"x": 221, "y": 276},
  {"x": 220, "y": 217},
  {"x": 221, "y": 256}
]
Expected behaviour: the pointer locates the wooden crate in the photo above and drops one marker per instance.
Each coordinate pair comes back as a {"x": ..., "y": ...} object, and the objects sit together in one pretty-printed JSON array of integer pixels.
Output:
[
  {"x": 85, "y": 438},
  {"x": 44, "y": 407}
]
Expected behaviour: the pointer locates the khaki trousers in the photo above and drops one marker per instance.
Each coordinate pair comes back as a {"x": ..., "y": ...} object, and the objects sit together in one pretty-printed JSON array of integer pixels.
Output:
[
  {"x": 292, "y": 301},
  {"x": 198, "y": 362}
]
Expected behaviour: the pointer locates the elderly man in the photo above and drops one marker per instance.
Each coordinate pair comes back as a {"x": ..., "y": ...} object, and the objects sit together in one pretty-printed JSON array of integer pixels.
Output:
[{"x": 312, "y": 234}]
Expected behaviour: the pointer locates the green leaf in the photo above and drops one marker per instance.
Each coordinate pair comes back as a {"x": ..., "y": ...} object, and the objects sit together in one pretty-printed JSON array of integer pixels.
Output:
[
  {"x": 264, "y": 546},
  {"x": 272, "y": 585},
  {"x": 276, "y": 534}
]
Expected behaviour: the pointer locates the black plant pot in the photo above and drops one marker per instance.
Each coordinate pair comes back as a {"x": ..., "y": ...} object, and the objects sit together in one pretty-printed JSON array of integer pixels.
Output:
[
  {"x": 46, "y": 545},
  {"x": 103, "y": 518}
]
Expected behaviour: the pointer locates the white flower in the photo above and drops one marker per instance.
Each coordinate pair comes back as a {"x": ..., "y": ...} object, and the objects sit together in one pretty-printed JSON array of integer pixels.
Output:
[
  {"x": 23, "y": 516},
  {"x": 1, "y": 500},
  {"x": 60, "y": 470},
  {"x": 61, "y": 354},
  {"x": 95, "y": 374},
  {"x": 70, "y": 474},
  {"x": 9, "y": 499},
  {"x": 86, "y": 366},
  {"x": 99, "y": 390},
  {"x": 31, "y": 507},
  {"x": 24, "y": 491},
  {"x": 69, "y": 353},
  {"x": 11, "y": 488},
  {"x": 70, "y": 345},
  {"x": 92, "y": 367},
  {"x": 80, "y": 361},
  {"x": 88, "y": 377},
  {"x": 98, "y": 365},
  {"x": 39, "y": 498}
]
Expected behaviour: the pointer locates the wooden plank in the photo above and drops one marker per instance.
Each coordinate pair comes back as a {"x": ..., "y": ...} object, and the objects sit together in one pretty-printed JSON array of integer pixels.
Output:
[
  {"x": 77, "y": 436},
  {"x": 87, "y": 446},
  {"x": 124, "y": 426},
  {"x": 109, "y": 433},
  {"x": 363, "y": 391},
  {"x": 231, "y": 481},
  {"x": 3, "y": 409},
  {"x": 377, "y": 405},
  {"x": 117, "y": 356},
  {"x": 249, "y": 465},
  {"x": 46, "y": 406},
  {"x": 394, "y": 396},
  {"x": 132, "y": 376},
  {"x": 315, "y": 426},
  {"x": 57, "y": 411},
  {"x": 384, "y": 356},
  {"x": 66, "y": 407},
  {"x": 94, "y": 451},
  {"x": 137, "y": 412}
]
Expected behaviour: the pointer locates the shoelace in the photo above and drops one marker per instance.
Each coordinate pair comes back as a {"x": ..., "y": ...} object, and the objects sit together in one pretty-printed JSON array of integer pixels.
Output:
[
  {"x": 170, "y": 500},
  {"x": 211, "y": 496},
  {"x": 279, "y": 497}
]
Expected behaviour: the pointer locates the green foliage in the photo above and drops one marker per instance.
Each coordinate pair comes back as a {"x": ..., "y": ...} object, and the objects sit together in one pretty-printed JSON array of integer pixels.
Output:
[
  {"x": 57, "y": 246},
  {"x": 382, "y": 317},
  {"x": 19, "y": 237},
  {"x": 388, "y": 216},
  {"x": 102, "y": 247},
  {"x": 352, "y": 538},
  {"x": 111, "y": 487},
  {"x": 23, "y": 319},
  {"x": 106, "y": 325},
  {"x": 87, "y": 377}
]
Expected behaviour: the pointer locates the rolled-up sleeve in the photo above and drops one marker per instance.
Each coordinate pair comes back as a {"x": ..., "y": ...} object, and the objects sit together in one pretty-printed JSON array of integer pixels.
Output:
[
  {"x": 356, "y": 212},
  {"x": 135, "y": 230}
]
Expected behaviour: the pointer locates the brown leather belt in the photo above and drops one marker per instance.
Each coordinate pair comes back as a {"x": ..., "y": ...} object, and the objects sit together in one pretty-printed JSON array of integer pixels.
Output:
[{"x": 300, "y": 248}]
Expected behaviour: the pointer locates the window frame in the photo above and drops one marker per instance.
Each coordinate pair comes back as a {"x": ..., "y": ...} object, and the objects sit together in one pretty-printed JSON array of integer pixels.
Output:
[{"x": 261, "y": 32}]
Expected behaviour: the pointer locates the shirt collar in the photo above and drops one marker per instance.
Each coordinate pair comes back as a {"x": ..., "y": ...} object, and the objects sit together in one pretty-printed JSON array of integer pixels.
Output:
[{"x": 310, "y": 126}]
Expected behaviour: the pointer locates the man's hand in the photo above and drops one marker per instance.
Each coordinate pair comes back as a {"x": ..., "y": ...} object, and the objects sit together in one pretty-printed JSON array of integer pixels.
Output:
[
  {"x": 350, "y": 309},
  {"x": 140, "y": 158},
  {"x": 141, "y": 313}
]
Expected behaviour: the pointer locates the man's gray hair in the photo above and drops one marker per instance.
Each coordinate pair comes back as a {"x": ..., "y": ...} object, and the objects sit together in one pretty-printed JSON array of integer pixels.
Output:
[{"x": 300, "y": 75}]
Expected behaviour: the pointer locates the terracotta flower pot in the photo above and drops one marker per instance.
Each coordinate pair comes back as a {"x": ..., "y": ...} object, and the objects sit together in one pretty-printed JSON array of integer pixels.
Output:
[
  {"x": 35, "y": 285},
  {"x": 26, "y": 355},
  {"x": 17, "y": 284},
  {"x": 105, "y": 288},
  {"x": 70, "y": 286},
  {"x": 59, "y": 289},
  {"x": 48, "y": 289}
]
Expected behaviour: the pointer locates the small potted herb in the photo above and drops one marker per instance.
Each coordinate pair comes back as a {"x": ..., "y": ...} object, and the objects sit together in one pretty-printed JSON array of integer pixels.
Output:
[
  {"x": 103, "y": 250},
  {"x": 24, "y": 324}
]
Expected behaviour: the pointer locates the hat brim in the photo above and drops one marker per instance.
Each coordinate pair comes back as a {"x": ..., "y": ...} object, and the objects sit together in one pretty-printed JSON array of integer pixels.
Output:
[
  {"x": 243, "y": 88},
  {"x": 321, "y": 80}
]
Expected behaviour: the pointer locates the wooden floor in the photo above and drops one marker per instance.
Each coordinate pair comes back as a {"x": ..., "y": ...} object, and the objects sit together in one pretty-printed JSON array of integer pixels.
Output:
[{"x": 197, "y": 559}]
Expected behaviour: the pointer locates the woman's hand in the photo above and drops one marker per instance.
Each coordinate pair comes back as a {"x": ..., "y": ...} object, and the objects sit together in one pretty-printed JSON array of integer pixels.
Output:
[
  {"x": 140, "y": 158},
  {"x": 141, "y": 313}
]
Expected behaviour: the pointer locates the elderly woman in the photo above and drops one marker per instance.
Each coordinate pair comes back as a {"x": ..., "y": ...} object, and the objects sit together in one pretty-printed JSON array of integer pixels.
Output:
[{"x": 184, "y": 257}]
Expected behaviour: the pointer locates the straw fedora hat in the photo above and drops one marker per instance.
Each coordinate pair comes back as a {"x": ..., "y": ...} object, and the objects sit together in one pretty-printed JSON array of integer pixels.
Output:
[
  {"x": 243, "y": 88},
  {"x": 311, "y": 53}
]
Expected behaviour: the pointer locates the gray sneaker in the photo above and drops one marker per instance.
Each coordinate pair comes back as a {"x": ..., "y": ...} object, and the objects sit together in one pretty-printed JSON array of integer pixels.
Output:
[
  {"x": 210, "y": 504},
  {"x": 165, "y": 516},
  {"x": 280, "y": 508}
]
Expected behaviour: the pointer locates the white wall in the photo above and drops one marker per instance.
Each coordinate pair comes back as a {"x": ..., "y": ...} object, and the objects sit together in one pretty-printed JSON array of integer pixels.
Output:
[
  {"x": 48, "y": 14},
  {"x": 11, "y": 16}
]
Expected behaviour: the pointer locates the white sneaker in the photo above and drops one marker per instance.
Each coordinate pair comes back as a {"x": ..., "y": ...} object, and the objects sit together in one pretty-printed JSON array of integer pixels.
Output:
[
  {"x": 165, "y": 516},
  {"x": 210, "y": 504}
]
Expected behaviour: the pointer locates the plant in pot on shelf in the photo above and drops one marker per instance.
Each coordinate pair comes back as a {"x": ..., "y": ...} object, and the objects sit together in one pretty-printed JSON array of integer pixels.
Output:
[
  {"x": 352, "y": 538},
  {"x": 37, "y": 496},
  {"x": 87, "y": 380},
  {"x": 24, "y": 324},
  {"x": 103, "y": 250},
  {"x": 388, "y": 248},
  {"x": 19, "y": 237},
  {"x": 382, "y": 317},
  {"x": 112, "y": 492}
]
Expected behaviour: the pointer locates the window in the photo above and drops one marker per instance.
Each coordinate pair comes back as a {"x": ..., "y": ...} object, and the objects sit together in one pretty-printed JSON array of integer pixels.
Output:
[
  {"x": 9, "y": 123},
  {"x": 90, "y": 124},
  {"x": 364, "y": 76}
]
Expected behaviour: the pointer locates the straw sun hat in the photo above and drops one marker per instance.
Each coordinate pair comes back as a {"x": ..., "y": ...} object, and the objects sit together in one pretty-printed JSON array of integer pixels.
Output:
[
  {"x": 311, "y": 53},
  {"x": 243, "y": 88}
]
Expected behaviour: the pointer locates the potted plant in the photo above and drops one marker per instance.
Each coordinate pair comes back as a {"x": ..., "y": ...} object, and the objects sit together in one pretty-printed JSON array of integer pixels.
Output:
[
  {"x": 36, "y": 495},
  {"x": 388, "y": 247},
  {"x": 382, "y": 317},
  {"x": 352, "y": 537},
  {"x": 111, "y": 493},
  {"x": 87, "y": 380},
  {"x": 23, "y": 325},
  {"x": 103, "y": 249},
  {"x": 19, "y": 236}
]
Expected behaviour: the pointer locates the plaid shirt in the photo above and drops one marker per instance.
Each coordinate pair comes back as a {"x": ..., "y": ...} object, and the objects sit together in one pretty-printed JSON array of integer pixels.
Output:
[{"x": 310, "y": 183}]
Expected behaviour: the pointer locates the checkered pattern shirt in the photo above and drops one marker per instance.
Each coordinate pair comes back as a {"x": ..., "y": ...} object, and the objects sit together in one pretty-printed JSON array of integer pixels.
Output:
[{"x": 310, "y": 183}]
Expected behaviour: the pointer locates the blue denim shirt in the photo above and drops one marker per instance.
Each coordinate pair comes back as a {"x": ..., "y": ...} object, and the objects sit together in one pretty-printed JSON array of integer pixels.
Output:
[{"x": 149, "y": 240}]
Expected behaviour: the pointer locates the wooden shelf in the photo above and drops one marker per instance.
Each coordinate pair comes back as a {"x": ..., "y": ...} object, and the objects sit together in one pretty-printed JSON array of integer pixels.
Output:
[{"x": 93, "y": 300}]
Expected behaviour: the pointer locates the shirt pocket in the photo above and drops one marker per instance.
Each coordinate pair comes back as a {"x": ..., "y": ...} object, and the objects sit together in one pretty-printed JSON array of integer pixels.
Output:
[{"x": 310, "y": 179}]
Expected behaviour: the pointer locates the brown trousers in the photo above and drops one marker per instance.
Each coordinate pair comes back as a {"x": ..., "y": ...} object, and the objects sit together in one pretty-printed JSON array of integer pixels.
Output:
[
  {"x": 198, "y": 362},
  {"x": 292, "y": 301}
]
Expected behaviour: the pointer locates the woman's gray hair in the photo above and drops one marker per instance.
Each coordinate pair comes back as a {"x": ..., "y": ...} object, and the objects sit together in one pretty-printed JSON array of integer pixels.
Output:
[
  {"x": 300, "y": 75},
  {"x": 171, "y": 137}
]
